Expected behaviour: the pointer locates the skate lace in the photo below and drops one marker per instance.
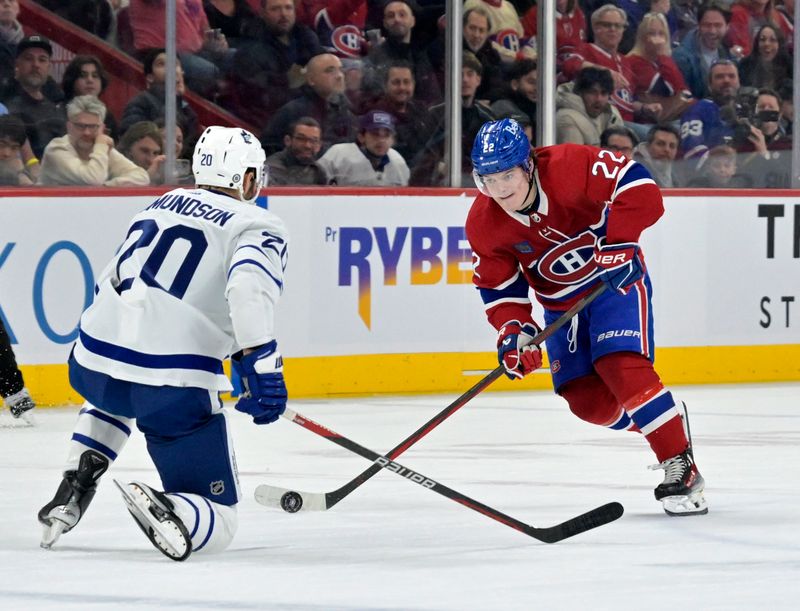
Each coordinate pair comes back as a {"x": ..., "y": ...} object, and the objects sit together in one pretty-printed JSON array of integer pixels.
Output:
[{"x": 674, "y": 469}]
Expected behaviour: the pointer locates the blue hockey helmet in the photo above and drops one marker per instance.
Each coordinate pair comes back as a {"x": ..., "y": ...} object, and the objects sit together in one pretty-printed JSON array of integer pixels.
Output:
[{"x": 499, "y": 146}]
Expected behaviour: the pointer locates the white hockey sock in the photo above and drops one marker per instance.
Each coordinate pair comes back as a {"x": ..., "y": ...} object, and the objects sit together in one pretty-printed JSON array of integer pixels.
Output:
[
  {"x": 210, "y": 525},
  {"x": 100, "y": 431}
]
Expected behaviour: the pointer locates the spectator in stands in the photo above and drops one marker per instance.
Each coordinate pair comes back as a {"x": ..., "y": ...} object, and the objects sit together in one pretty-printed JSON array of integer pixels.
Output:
[
  {"x": 267, "y": 70},
  {"x": 12, "y": 139},
  {"x": 414, "y": 122},
  {"x": 506, "y": 31},
  {"x": 297, "y": 163},
  {"x": 769, "y": 64},
  {"x": 746, "y": 17},
  {"x": 521, "y": 95},
  {"x": 150, "y": 104},
  {"x": 85, "y": 75},
  {"x": 27, "y": 97},
  {"x": 323, "y": 99},
  {"x": 398, "y": 24},
  {"x": 428, "y": 167},
  {"x": 608, "y": 24},
  {"x": 769, "y": 165},
  {"x": 619, "y": 139},
  {"x": 234, "y": 18},
  {"x": 86, "y": 155},
  {"x": 720, "y": 171},
  {"x": 785, "y": 21},
  {"x": 704, "y": 125},
  {"x": 656, "y": 78},
  {"x": 94, "y": 16},
  {"x": 143, "y": 145},
  {"x": 682, "y": 17},
  {"x": 658, "y": 154},
  {"x": 10, "y": 36},
  {"x": 583, "y": 110},
  {"x": 476, "y": 26},
  {"x": 370, "y": 161},
  {"x": 339, "y": 24},
  {"x": 703, "y": 47},
  {"x": 202, "y": 51},
  {"x": 183, "y": 149},
  {"x": 571, "y": 31}
]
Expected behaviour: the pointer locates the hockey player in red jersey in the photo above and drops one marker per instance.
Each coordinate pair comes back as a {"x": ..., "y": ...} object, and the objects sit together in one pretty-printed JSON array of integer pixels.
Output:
[{"x": 560, "y": 220}]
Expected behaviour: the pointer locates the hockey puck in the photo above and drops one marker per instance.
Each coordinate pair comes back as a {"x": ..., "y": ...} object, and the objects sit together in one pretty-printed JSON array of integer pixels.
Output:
[{"x": 291, "y": 502}]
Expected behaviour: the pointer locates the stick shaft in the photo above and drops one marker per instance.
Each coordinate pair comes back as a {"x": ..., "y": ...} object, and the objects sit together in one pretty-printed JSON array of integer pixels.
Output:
[
  {"x": 333, "y": 497},
  {"x": 592, "y": 519}
]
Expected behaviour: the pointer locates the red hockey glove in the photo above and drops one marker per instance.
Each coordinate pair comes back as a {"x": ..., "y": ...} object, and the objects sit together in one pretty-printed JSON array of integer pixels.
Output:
[
  {"x": 619, "y": 264},
  {"x": 515, "y": 351}
]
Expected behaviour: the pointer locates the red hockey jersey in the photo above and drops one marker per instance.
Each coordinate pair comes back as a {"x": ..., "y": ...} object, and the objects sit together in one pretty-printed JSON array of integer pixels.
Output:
[{"x": 583, "y": 193}]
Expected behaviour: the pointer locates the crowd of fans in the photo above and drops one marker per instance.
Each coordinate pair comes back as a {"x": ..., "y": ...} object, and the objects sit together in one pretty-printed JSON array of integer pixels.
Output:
[{"x": 350, "y": 92}]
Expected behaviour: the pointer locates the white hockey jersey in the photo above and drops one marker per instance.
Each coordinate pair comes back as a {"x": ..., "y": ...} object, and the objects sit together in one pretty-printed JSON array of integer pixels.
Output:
[{"x": 196, "y": 279}]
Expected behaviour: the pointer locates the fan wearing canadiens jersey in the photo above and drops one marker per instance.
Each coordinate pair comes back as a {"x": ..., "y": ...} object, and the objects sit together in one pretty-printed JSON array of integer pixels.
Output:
[
  {"x": 560, "y": 220},
  {"x": 195, "y": 280}
]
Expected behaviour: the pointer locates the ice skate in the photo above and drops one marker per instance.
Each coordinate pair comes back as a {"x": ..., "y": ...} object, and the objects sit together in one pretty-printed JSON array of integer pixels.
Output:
[
  {"x": 154, "y": 514},
  {"x": 72, "y": 498},
  {"x": 681, "y": 492},
  {"x": 20, "y": 403}
]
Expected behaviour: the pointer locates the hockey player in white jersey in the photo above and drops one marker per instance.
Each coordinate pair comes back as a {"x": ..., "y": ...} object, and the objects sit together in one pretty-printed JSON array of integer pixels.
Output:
[{"x": 195, "y": 280}]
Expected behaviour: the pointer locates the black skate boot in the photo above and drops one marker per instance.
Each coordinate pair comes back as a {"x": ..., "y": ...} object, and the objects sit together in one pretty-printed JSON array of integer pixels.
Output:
[
  {"x": 19, "y": 403},
  {"x": 72, "y": 498},
  {"x": 681, "y": 492},
  {"x": 154, "y": 514}
]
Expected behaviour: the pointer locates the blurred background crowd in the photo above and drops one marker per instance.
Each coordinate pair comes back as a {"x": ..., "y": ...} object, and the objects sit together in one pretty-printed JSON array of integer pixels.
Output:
[{"x": 351, "y": 92}]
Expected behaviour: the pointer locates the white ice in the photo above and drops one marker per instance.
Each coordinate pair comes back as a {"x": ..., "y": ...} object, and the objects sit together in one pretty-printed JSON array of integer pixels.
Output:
[{"x": 394, "y": 545}]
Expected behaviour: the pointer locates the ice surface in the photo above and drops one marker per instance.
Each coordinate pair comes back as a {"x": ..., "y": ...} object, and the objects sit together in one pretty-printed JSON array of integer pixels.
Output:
[{"x": 394, "y": 545}]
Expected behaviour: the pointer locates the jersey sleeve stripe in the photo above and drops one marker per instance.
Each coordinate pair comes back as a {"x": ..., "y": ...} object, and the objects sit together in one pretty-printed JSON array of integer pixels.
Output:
[
  {"x": 258, "y": 265},
  {"x": 152, "y": 361},
  {"x": 514, "y": 291}
]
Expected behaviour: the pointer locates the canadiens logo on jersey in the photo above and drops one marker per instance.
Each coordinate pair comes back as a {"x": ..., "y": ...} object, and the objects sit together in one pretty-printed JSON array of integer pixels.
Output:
[{"x": 570, "y": 261}]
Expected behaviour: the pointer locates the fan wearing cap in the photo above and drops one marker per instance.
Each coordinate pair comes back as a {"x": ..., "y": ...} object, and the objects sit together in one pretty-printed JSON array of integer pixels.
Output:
[
  {"x": 371, "y": 161},
  {"x": 563, "y": 220},
  {"x": 33, "y": 95}
]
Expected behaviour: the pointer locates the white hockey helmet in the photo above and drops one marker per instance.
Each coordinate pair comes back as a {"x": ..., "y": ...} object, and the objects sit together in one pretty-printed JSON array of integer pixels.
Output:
[{"x": 223, "y": 155}]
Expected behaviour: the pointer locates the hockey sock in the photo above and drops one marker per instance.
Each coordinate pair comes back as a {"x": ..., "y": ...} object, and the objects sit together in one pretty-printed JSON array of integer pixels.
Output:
[
  {"x": 592, "y": 401},
  {"x": 655, "y": 414},
  {"x": 635, "y": 383},
  {"x": 97, "y": 430},
  {"x": 211, "y": 526}
]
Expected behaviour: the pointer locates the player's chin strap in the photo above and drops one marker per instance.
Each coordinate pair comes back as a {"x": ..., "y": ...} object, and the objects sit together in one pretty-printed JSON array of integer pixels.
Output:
[{"x": 534, "y": 205}]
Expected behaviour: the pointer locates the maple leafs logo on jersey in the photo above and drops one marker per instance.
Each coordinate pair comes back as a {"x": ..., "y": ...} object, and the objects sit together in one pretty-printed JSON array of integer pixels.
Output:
[{"x": 246, "y": 137}]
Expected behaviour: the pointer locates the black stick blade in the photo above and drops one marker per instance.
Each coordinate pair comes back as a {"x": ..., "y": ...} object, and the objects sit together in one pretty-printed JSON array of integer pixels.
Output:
[{"x": 591, "y": 519}]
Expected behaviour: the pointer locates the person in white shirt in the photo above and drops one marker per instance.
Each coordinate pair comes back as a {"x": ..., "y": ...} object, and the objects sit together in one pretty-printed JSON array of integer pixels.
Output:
[
  {"x": 371, "y": 161},
  {"x": 195, "y": 280},
  {"x": 86, "y": 154}
]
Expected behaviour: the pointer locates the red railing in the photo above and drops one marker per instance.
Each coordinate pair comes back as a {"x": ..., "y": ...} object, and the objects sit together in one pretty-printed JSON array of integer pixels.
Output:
[{"x": 125, "y": 73}]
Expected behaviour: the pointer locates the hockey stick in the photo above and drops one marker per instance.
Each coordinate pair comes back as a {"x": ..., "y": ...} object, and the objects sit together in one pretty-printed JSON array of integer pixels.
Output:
[
  {"x": 574, "y": 526},
  {"x": 274, "y": 496}
]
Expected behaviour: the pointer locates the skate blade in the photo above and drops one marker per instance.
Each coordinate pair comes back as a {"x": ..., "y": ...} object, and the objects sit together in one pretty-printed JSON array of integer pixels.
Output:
[
  {"x": 52, "y": 532},
  {"x": 691, "y": 505},
  {"x": 163, "y": 534}
]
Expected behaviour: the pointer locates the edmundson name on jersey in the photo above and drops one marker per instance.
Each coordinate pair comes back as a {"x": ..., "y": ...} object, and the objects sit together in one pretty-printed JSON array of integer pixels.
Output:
[{"x": 188, "y": 206}]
